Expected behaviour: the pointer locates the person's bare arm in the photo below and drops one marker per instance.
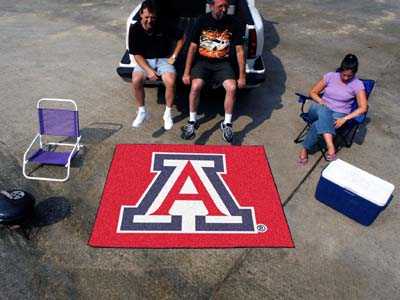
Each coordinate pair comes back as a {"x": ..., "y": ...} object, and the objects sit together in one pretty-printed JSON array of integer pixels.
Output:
[
  {"x": 189, "y": 62},
  {"x": 177, "y": 50},
  {"x": 362, "y": 108},
  {"x": 141, "y": 61},
  {"x": 242, "y": 66},
  {"x": 316, "y": 90}
]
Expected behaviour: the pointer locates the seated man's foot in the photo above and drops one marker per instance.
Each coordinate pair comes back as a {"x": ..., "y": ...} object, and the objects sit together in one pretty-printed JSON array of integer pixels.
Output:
[
  {"x": 140, "y": 118},
  {"x": 189, "y": 130},
  {"x": 227, "y": 132},
  {"x": 168, "y": 122}
]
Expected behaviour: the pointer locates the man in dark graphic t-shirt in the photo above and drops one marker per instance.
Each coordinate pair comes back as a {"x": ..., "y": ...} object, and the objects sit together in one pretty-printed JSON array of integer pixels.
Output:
[
  {"x": 151, "y": 47},
  {"x": 214, "y": 36}
]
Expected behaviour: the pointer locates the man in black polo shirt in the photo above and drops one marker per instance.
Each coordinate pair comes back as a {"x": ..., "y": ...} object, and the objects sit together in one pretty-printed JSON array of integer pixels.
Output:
[
  {"x": 213, "y": 36},
  {"x": 151, "y": 47}
]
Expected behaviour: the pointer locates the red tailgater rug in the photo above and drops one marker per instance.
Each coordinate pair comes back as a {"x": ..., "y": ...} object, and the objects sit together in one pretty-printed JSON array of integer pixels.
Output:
[{"x": 187, "y": 196}]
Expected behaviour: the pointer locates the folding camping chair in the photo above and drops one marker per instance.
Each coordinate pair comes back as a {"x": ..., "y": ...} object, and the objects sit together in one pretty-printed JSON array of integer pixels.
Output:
[
  {"x": 54, "y": 123},
  {"x": 344, "y": 134}
]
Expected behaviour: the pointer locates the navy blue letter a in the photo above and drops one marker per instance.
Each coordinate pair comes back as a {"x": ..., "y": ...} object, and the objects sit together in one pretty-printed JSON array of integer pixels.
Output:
[{"x": 187, "y": 216}]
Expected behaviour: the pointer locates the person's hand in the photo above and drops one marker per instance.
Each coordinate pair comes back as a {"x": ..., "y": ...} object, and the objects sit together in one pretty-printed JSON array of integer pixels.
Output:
[
  {"x": 186, "y": 79},
  {"x": 152, "y": 75},
  {"x": 340, "y": 122},
  {"x": 172, "y": 59},
  {"x": 241, "y": 82}
]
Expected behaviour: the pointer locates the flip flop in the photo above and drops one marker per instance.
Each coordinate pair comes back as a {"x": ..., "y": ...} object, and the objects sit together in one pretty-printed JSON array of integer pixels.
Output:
[
  {"x": 331, "y": 157},
  {"x": 302, "y": 161}
]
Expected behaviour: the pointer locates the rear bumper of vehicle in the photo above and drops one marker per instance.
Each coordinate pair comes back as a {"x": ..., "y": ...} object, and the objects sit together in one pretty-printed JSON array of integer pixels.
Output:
[
  {"x": 125, "y": 67},
  {"x": 255, "y": 75}
]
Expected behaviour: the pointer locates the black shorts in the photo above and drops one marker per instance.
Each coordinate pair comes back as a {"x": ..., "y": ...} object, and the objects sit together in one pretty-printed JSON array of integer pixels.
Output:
[{"x": 213, "y": 72}]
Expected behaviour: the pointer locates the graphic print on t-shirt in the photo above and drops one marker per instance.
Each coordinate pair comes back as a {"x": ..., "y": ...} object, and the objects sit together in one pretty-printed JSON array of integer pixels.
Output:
[{"x": 214, "y": 43}]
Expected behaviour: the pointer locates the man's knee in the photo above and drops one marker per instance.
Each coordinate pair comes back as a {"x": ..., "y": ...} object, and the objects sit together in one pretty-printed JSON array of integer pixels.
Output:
[
  {"x": 137, "y": 80},
  {"x": 169, "y": 79},
  {"x": 197, "y": 85},
  {"x": 230, "y": 85}
]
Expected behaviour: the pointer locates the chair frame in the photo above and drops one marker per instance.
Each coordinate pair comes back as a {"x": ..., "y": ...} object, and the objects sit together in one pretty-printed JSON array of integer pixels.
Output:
[
  {"x": 39, "y": 138},
  {"x": 345, "y": 134}
]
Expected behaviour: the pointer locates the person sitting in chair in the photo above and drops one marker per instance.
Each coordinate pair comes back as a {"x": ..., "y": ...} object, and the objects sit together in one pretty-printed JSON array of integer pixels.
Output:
[
  {"x": 213, "y": 37},
  {"x": 334, "y": 108},
  {"x": 150, "y": 48}
]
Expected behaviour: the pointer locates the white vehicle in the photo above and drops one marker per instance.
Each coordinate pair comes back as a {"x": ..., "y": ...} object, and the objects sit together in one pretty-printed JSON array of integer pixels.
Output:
[{"x": 185, "y": 13}]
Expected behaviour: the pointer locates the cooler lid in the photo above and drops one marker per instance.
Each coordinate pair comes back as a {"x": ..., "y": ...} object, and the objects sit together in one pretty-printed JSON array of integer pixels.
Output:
[{"x": 359, "y": 182}]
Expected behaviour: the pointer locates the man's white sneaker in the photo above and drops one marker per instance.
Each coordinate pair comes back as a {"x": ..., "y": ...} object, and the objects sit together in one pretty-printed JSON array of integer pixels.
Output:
[
  {"x": 168, "y": 123},
  {"x": 140, "y": 118}
]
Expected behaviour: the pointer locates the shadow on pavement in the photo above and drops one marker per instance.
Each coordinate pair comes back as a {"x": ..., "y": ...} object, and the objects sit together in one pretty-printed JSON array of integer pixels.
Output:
[
  {"x": 259, "y": 103},
  {"x": 51, "y": 211},
  {"x": 96, "y": 133},
  {"x": 99, "y": 131}
]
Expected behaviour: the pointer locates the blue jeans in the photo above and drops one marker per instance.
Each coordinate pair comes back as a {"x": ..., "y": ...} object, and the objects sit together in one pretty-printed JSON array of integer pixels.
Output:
[{"x": 323, "y": 122}]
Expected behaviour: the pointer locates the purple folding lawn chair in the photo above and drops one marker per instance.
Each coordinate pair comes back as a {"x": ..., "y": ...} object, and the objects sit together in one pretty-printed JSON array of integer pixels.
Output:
[{"x": 54, "y": 123}]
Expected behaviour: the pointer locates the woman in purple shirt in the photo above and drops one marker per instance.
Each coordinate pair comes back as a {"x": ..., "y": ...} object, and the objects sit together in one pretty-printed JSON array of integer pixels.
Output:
[{"x": 334, "y": 108}]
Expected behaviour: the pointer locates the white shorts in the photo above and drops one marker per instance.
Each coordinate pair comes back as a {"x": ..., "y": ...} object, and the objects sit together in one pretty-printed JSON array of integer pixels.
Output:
[{"x": 160, "y": 65}]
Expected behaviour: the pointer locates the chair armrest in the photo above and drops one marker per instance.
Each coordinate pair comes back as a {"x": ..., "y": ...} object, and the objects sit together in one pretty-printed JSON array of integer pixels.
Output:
[
  {"x": 360, "y": 119},
  {"x": 302, "y": 98},
  {"x": 30, "y": 146},
  {"x": 71, "y": 154}
]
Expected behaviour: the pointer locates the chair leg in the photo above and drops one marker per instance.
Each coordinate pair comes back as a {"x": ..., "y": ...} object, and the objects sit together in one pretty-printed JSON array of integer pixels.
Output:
[
  {"x": 65, "y": 178},
  {"x": 350, "y": 142},
  {"x": 351, "y": 133},
  {"x": 322, "y": 148},
  {"x": 302, "y": 134}
]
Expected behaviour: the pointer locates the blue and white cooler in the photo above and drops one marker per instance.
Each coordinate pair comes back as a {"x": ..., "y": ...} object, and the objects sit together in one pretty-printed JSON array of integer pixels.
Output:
[{"x": 353, "y": 192}]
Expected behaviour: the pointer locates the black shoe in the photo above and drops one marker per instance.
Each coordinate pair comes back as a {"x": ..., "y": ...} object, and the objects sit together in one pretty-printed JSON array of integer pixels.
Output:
[
  {"x": 227, "y": 132},
  {"x": 189, "y": 130}
]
